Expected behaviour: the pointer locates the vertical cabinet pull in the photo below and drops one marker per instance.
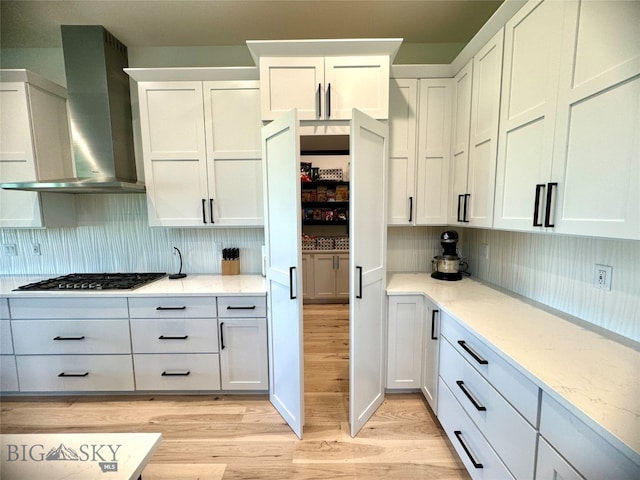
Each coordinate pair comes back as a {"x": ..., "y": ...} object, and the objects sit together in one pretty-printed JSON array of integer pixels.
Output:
[
  {"x": 211, "y": 210},
  {"x": 204, "y": 208},
  {"x": 291, "y": 294},
  {"x": 459, "y": 217},
  {"x": 472, "y": 399},
  {"x": 410, "y": 209},
  {"x": 433, "y": 324},
  {"x": 547, "y": 214},
  {"x": 472, "y": 352},
  {"x": 466, "y": 449},
  {"x": 329, "y": 101},
  {"x": 536, "y": 206},
  {"x": 465, "y": 216},
  {"x": 221, "y": 336},
  {"x": 359, "y": 295},
  {"x": 320, "y": 100}
]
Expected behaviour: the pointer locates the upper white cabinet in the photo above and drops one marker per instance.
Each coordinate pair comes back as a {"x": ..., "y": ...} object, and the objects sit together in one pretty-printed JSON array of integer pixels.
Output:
[
  {"x": 325, "y": 88},
  {"x": 475, "y": 141},
  {"x": 202, "y": 154},
  {"x": 419, "y": 129},
  {"x": 34, "y": 145},
  {"x": 569, "y": 156}
]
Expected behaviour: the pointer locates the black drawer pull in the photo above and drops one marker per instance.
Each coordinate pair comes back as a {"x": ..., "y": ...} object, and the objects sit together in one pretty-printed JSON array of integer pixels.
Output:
[
  {"x": 221, "y": 336},
  {"x": 475, "y": 463},
  {"x": 176, "y": 374},
  {"x": 252, "y": 307},
  {"x": 69, "y": 338},
  {"x": 184, "y": 307},
  {"x": 64, "y": 374},
  {"x": 433, "y": 324},
  {"x": 471, "y": 352},
  {"x": 162, "y": 337},
  {"x": 480, "y": 408}
]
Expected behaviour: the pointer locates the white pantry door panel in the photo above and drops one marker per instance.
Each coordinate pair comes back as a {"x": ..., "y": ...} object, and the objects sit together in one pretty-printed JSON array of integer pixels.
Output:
[
  {"x": 281, "y": 169},
  {"x": 368, "y": 236}
]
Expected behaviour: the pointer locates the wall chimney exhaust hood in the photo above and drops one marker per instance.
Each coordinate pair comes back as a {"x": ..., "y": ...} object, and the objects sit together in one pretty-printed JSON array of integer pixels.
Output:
[{"x": 99, "y": 106}]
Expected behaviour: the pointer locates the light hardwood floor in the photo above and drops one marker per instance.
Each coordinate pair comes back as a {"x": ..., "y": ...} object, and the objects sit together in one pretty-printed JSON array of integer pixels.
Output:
[{"x": 242, "y": 437}]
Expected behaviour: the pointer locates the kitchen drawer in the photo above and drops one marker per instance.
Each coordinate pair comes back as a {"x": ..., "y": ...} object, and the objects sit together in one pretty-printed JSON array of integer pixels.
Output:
[
  {"x": 6, "y": 341},
  {"x": 255, "y": 307},
  {"x": 172, "y": 307},
  {"x": 8, "y": 374},
  {"x": 589, "y": 453},
  {"x": 75, "y": 373},
  {"x": 4, "y": 308},
  {"x": 477, "y": 455},
  {"x": 174, "y": 335},
  {"x": 65, "y": 308},
  {"x": 70, "y": 337},
  {"x": 551, "y": 466},
  {"x": 177, "y": 372},
  {"x": 508, "y": 433},
  {"x": 512, "y": 385}
]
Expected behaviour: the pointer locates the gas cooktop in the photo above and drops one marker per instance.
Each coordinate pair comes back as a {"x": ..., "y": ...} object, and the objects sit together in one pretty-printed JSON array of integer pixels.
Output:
[{"x": 93, "y": 281}]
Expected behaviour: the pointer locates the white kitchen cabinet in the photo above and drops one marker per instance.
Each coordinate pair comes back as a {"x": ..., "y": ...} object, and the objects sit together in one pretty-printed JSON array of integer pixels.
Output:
[
  {"x": 202, "y": 154},
  {"x": 430, "y": 353},
  {"x": 8, "y": 372},
  {"x": 324, "y": 88},
  {"x": 419, "y": 129},
  {"x": 404, "y": 342},
  {"x": 551, "y": 466},
  {"x": 177, "y": 372},
  {"x": 569, "y": 159},
  {"x": 475, "y": 151},
  {"x": 34, "y": 145}
]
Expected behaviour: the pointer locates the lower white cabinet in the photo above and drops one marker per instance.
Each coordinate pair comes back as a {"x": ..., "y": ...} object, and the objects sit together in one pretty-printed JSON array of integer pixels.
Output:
[
  {"x": 243, "y": 354},
  {"x": 551, "y": 466},
  {"x": 430, "y": 353},
  {"x": 404, "y": 342},
  {"x": 177, "y": 371},
  {"x": 74, "y": 373},
  {"x": 8, "y": 374}
]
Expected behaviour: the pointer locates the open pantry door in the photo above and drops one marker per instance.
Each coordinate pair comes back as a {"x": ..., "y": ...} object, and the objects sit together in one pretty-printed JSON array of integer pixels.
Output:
[
  {"x": 367, "y": 263},
  {"x": 283, "y": 231}
]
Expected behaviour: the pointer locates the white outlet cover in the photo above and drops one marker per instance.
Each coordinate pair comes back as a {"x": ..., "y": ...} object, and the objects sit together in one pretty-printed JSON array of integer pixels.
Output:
[{"x": 602, "y": 277}]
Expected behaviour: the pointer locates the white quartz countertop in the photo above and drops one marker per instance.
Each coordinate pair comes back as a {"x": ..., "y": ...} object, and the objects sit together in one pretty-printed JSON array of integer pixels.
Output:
[
  {"x": 595, "y": 376},
  {"x": 214, "y": 285}
]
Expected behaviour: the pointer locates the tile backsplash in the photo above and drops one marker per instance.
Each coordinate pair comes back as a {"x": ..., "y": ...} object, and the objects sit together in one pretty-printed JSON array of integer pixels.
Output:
[{"x": 113, "y": 236}]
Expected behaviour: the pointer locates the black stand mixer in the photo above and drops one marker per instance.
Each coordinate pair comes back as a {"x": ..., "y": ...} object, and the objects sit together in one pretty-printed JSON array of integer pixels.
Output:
[{"x": 447, "y": 266}]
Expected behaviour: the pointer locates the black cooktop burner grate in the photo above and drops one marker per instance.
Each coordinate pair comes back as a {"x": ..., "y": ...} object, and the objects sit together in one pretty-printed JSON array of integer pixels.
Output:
[{"x": 93, "y": 281}]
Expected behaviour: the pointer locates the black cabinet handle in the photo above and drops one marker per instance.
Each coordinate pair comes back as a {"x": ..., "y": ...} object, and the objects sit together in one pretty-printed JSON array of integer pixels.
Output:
[
  {"x": 472, "y": 399},
  {"x": 252, "y": 307},
  {"x": 204, "y": 213},
  {"x": 458, "y": 435},
  {"x": 320, "y": 100},
  {"x": 459, "y": 217},
  {"x": 471, "y": 352},
  {"x": 221, "y": 336},
  {"x": 551, "y": 186},
  {"x": 69, "y": 338},
  {"x": 359, "y": 295},
  {"x": 163, "y": 337},
  {"x": 536, "y": 206},
  {"x": 211, "y": 211},
  {"x": 64, "y": 374},
  {"x": 329, "y": 98},
  {"x": 184, "y": 307},
  {"x": 465, "y": 216},
  {"x": 291, "y": 295},
  {"x": 176, "y": 374},
  {"x": 433, "y": 324},
  {"x": 410, "y": 209}
]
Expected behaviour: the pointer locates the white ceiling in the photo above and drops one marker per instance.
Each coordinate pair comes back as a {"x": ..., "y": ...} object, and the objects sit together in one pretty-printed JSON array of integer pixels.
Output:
[{"x": 181, "y": 23}]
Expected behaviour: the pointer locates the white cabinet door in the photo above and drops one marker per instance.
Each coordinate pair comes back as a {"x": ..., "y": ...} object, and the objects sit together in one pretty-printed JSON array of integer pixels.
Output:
[
  {"x": 173, "y": 145},
  {"x": 403, "y": 107},
  {"x": 527, "y": 115},
  {"x": 356, "y": 82},
  {"x": 232, "y": 120},
  {"x": 368, "y": 235},
  {"x": 283, "y": 230},
  {"x": 551, "y": 466},
  {"x": 243, "y": 354},
  {"x": 460, "y": 144},
  {"x": 294, "y": 82},
  {"x": 430, "y": 354},
  {"x": 596, "y": 161},
  {"x": 483, "y": 136},
  {"x": 433, "y": 160},
  {"x": 404, "y": 342}
]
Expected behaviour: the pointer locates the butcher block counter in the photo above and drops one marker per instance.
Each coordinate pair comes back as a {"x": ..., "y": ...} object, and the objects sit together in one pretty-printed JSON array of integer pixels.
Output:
[{"x": 594, "y": 375}]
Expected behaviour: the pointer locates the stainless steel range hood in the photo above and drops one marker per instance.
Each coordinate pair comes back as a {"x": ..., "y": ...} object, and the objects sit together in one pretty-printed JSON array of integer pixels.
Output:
[{"x": 99, "y": 106}]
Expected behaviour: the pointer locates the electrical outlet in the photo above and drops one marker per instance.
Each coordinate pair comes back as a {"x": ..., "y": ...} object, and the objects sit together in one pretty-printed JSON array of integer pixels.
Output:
[
  {"x": 10, "y": 249},
  {"x": 602, "y": 277},
  {"x": 35, "y": 249}
]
